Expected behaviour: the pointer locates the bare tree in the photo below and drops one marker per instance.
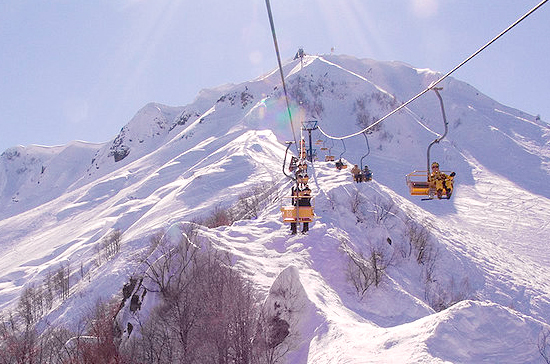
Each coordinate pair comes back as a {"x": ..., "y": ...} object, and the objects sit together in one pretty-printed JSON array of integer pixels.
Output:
[
  {"x": 30, "y": 306},
  {"x": 99, "y": 346},
  {"x": 543, "y": 344},
  {"x": 167, "y": 264},
  {"x": 356, "y": 200},
  {"x": 61, "y": 280},
  {"x": 383, "y": 208},
  {"x": 250, "y": 203},
  {"x": 419, "y": 241},
  {"x": 47, "y": 289},
  {"x": 363, "y": 271},
  {"x": 111, "y": 243},
  {"x": 208, "y": 312},
  {"x": 18, "y": 345}
]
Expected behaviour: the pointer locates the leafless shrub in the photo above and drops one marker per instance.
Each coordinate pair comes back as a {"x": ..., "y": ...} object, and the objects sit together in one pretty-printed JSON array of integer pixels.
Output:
[
  {"x": 208, "y": 314},
  {"x": 383, "y": 208},
  {"x": 420, "y": 242},
  {"x": 248, "y": 206},
  {"x": 167, "y": 266},
  {"x": 363, "y": 271},
  {"x": 251, "y": 202},
  {"x": 111, "y": 243},
  {"x": 440, "y": 297},
  {"x": 220, "y": 216},
  {"x": 356, "y": 201}
]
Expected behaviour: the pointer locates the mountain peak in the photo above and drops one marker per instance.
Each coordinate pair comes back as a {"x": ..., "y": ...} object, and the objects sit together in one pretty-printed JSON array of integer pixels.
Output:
[{"x": 380, "y": 274}]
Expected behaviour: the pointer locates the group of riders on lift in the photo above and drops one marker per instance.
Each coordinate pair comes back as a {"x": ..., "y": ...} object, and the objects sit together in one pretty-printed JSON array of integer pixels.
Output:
[
  {"x": 438, "y": 181},
  {"x": 361, "y": 175}
]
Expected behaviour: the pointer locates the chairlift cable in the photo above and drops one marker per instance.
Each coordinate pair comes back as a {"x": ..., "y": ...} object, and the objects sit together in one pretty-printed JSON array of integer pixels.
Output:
[
  {"x": 270, "y": 15},
  {"x": 433, "y": 84}
]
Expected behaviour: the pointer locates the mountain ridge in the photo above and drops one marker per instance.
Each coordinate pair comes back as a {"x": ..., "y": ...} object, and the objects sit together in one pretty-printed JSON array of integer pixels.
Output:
[{"x": 171, "y": 165}]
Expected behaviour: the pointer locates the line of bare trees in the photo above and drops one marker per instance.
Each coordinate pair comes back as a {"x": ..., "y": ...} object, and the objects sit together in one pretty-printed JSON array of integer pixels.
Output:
[
  {"x": 108, "y": 247},
  {"x": 368, "y": 270},
  {"x": 208, "y": 312},
  {"x": 248, "y": 206},
  {"x": 205, "y": 311},
  {"x": 20, "y": 343},
  {"x": 37, "y": 299}
]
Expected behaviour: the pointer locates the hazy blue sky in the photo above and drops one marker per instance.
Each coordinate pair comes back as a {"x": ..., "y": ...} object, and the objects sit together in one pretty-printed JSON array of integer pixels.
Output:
[{"x": 80, "y": 70}]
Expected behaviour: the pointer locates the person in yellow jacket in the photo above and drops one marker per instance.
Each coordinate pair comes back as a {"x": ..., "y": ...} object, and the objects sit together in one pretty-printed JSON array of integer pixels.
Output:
[{"x": 441, "y": 182}]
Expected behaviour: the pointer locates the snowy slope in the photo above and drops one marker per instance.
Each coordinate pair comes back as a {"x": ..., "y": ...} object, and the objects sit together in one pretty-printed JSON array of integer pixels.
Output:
[{"x": 170, "y": 165}]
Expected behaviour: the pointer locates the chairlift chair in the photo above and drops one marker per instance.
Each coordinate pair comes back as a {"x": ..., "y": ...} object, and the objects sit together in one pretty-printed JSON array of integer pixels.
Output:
[
  {"x": 365, "y": 174},
  {"x": 340, "y": 163},
  {"x": 294, "y": 211},
  {"x": 420, "y": 182},
  {"x": 329, "y": 157}
]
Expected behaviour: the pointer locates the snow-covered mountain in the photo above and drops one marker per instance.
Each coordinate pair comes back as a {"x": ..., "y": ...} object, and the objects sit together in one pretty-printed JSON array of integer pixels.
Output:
[{"x": 480, "y": 292}]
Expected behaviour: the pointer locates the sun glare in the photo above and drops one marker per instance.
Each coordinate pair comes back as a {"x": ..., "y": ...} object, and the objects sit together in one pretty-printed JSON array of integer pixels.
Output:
[
  {"x": 424, "y": 8},
  {"x": 351, "y": 23}
]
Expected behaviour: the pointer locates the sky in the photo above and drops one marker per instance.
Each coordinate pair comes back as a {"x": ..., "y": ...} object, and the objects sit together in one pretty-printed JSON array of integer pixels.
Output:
[{"x": 80, "y": 70}]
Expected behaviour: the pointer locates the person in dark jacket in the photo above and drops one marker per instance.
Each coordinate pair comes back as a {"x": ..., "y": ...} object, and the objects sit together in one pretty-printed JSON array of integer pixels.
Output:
[{"x": 304, "y": 199}]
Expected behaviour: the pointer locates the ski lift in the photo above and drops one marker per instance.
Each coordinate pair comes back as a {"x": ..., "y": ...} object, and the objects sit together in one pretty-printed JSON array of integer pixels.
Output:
[
  {"x": 340, "y": 163},
  {"x": 437, "y": 183},
  {"x": 293, "y": 164},
  {"x": 329, "y": 157},
  {"x": 363, "y": 174},
  {"x": 299, "y": 207},
  {"x": 300, "y": 53},
  {"x": 303, "y": 152}
]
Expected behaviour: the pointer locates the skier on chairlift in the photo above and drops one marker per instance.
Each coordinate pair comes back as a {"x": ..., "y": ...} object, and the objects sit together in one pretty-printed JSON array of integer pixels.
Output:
[{"x": 441, "y": 181}]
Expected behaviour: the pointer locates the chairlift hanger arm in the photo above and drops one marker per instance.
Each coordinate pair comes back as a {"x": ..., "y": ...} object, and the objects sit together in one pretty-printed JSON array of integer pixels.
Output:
[
  {"x": 437, "y": 140},
  {"x": 368, "y": 149},
  {"x": 344, "y": 151}
]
